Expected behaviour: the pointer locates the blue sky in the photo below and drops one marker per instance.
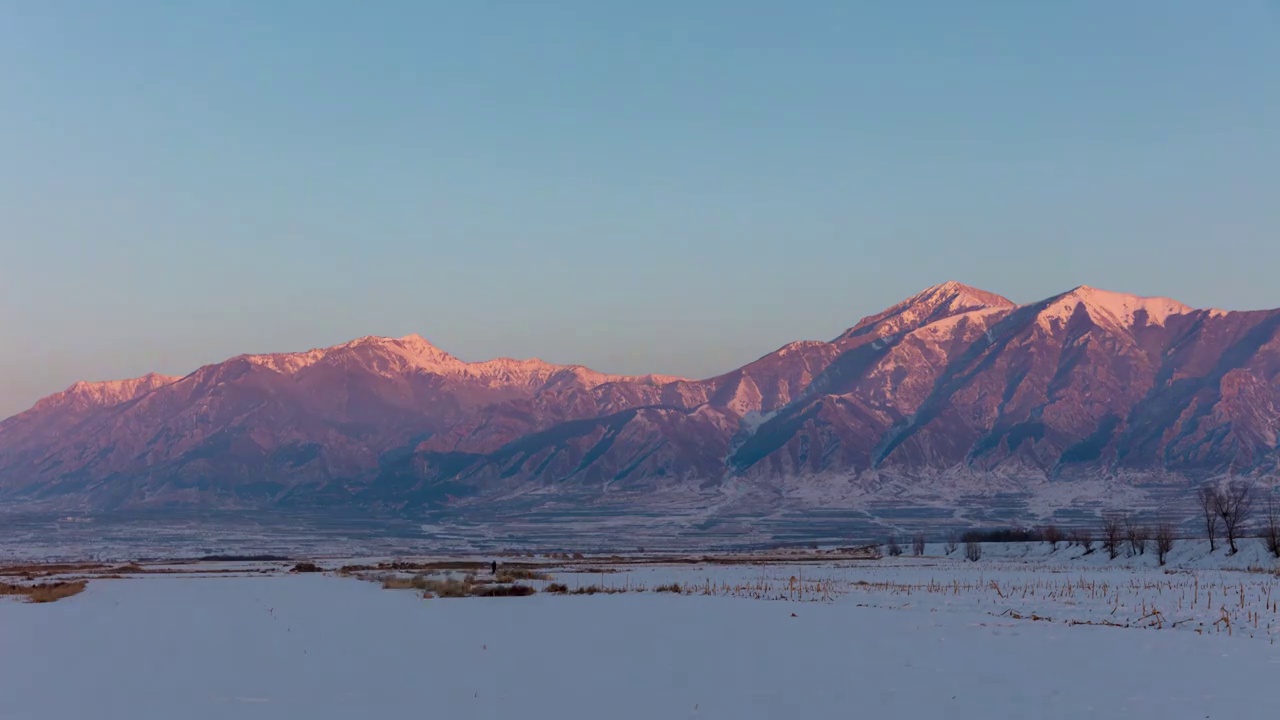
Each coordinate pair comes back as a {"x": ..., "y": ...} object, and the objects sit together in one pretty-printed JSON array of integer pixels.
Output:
[{"x": 673, "y": 187}]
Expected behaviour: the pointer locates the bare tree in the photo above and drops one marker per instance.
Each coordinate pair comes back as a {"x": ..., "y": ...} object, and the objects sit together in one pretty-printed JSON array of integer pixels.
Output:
[
  {"x": 917, "y": 545},
  {"x": 1271, "y": 526},
  {"x": 1052, "y": 535},
  {"x": 1164, "y": 541},
  {"x": 1112, "y": 535},
  {"x": 972, "y": 550},
  {"x": 893, "y": 548},
  {"x": 1208, "y": 497},
  {"x": 1234, "y": 505},
  {"x": 1084, "y": 539},
  {"x": 952, "y": 543},
  {"x": 1137, "y": 536}
]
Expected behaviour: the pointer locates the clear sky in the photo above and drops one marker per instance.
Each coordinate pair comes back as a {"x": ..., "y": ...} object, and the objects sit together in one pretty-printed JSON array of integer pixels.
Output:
[{"x": 656, "y": 186}]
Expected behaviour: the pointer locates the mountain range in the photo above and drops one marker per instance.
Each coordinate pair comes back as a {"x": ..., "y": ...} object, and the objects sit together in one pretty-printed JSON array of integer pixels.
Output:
[{"x": 953, "y": 393}]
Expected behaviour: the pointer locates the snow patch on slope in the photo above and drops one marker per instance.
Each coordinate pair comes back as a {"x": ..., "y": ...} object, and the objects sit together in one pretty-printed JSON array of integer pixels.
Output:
[
  {"x": 931, "y": 305},
  {"x": 1119, "y": 308},
  {"x": 111, "y": 392}
]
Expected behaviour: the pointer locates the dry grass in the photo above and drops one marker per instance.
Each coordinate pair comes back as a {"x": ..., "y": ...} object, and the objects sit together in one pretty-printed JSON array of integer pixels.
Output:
[
  {"x": 670, "y": 588},
  {"x": 511, "y": 575},
  {"x": 502, "y": 591},
  {"x": 35, "y": 570},
  {"x": 447, "y": 588},
  {"x": 396, "y": 582},
  {"x": 596, "y": 589},
  {"x": 556, "y": 589},
  {"x": 452, "y": 587},
  {"x": 45, "y": 592},
  {"x": 1209, "y": 603},
  {"x": 420, "y": 567}
]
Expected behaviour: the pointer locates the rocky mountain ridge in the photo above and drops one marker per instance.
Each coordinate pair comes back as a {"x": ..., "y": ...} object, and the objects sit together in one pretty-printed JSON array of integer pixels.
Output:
[{"x": 954, "y": 387}]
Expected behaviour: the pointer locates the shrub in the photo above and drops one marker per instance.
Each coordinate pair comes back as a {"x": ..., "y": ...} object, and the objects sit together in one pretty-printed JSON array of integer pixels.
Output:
[
  {"x": 556, "y": 588},
  {"x": 1084, "y": 539},
  {"x": 670, "y": 588},
  {"x": 1052, "y": 535},
  {"x": 892, "y": 547},
  {"x": 917, "y": 544},
  {"x": 953, "y": 543},
  {"x": 972, "y": 551},
  {"x": 306, "y": 567}
]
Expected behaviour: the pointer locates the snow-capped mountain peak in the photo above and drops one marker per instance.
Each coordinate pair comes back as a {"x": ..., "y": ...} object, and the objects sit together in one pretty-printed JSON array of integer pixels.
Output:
[
  {"x": 954, "y": 382},
  {"x": 1121, "y": 308},
  {"x": 934, "y": 303},
  {"x": 112, "y": 392}
]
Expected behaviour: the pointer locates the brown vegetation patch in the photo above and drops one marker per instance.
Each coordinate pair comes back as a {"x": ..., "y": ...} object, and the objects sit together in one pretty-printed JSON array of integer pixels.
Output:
[
  {"x": 594, "y": 589},
  {"x": 35, "y": 570},
  {"x": 502, "y": 591},
  {"x": 510, "y": 575},
  {"x": 44, "y": 592}
]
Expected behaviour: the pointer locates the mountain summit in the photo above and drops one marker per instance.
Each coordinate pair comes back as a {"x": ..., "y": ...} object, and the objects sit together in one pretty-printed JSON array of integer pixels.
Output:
[
  {"x": 953, "y": 392},
  {"x": 929, "y": 305}
]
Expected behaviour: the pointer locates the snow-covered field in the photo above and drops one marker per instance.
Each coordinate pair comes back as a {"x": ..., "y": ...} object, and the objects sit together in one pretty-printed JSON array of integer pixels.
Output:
[{"x": 896, "y": 638}]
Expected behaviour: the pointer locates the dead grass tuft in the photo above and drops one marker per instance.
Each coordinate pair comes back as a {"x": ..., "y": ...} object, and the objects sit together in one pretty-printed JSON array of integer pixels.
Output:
[
  {"x": 593, "y": 589},
  {"x": 447, "y": 588},
  {"x": 400, "y": 582}
]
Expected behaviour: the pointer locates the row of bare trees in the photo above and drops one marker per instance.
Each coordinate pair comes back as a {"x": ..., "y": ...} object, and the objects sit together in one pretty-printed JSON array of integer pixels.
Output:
[
  {"x": 1230, "y": 507},
  {"x": 1121, "y": 530},
  {"x": 1226, "y": 512}
]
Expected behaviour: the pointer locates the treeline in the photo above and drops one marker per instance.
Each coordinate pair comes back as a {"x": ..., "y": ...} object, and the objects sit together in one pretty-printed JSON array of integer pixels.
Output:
[{"x": 1228, "y": 512}]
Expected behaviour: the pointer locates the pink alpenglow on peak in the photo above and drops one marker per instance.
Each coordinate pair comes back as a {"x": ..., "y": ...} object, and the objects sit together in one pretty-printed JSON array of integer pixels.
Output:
[
  {"x": 112, "y": 392},
  {"x": 1117, "y": 307},
  {"x": 929, "y": 305},
  {"x": 954, "y": 387}
]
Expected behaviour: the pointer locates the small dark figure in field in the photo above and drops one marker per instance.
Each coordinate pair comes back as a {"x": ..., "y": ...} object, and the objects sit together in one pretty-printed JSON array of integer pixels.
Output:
[{"x": 494, "y": 567}]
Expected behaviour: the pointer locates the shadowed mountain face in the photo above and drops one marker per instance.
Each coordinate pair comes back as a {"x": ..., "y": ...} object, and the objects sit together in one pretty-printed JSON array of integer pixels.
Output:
[{"x": 953, "y": 382}]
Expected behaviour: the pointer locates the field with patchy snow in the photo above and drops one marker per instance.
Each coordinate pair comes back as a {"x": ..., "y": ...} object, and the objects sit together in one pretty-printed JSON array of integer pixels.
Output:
[{"x": 1025, "y": 632}]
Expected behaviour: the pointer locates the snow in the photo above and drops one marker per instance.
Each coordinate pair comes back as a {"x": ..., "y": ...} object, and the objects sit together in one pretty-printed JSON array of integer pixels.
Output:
[
  {"x": 325, "y": 647},
  {"x": 413, "y": 353},
  {"x": 109, "y": 392},
  {"x": 946, "y": 298},
  {"x": 1120, "y": 308}
]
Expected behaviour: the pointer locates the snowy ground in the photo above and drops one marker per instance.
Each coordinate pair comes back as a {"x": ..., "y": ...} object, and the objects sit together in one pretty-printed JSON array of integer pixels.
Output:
[{"x": 898, "y": 638}]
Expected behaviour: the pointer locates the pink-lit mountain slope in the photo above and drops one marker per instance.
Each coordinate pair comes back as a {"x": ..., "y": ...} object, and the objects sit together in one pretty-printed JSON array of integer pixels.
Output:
[{"x": 952, "y": 383}]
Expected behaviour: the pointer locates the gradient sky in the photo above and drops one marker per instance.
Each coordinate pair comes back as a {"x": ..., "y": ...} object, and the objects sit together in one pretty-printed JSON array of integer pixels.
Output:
[{"x": 657, "y": 186}]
